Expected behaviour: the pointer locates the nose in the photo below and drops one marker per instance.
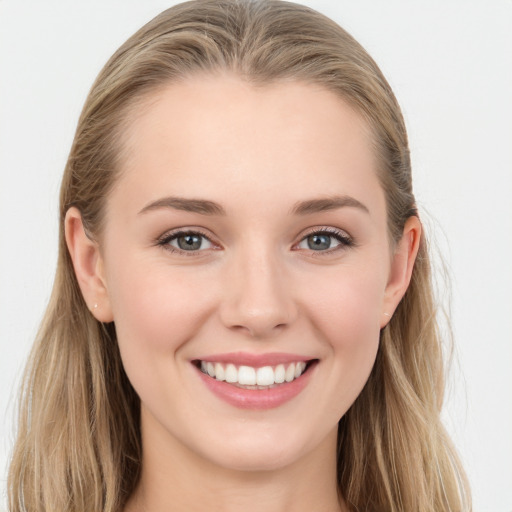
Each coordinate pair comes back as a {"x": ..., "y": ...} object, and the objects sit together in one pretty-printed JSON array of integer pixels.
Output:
[{"x": 257, "y": 296}]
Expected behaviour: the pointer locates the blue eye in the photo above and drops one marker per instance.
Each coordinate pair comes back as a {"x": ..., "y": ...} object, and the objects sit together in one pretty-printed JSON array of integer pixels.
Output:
[
  {"x": 319, "y": 242},
  {"x": 189, "y": 241},
  {"x": 325, "y": 240}
]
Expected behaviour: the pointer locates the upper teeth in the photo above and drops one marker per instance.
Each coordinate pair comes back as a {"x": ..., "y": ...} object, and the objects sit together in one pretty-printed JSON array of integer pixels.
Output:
[{"x": 249, "y": 376}]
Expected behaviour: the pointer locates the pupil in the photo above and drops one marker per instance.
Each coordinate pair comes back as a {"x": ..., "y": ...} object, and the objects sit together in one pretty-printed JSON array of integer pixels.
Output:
[
  {"x": 319, "y": 242},
  {"x": 189, "y": 242}
]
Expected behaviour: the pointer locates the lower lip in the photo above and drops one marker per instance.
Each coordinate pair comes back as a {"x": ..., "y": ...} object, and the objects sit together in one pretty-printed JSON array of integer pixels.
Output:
[{"x": 258, "y": 399}]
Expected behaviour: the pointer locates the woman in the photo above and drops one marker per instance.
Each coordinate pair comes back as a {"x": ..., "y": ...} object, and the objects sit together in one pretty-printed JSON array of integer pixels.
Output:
[{"x": 242, "y": 315}]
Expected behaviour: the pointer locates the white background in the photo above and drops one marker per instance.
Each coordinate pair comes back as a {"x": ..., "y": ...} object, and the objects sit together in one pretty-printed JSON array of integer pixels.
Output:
[{"x": 450, "y": 64}]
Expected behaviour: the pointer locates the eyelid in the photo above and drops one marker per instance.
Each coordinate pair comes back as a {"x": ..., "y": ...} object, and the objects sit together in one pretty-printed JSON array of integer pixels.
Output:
[
  {"x": 165, "y": 239},
  {"x": 341, "y": 235},
  {"x": 345, "y": 239}
]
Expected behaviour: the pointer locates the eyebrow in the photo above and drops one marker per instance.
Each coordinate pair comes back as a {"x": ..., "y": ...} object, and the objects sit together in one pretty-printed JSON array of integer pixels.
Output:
[
  {"x": 326, "y": 204},
  {"x": 200, "y": 206},
  {"x": 205, "y": 207}
]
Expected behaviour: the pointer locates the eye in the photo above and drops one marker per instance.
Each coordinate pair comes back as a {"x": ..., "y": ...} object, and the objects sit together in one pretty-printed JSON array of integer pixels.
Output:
[
  {"x": 325, "y": 240},
  {"x": 187, "y": 241}
]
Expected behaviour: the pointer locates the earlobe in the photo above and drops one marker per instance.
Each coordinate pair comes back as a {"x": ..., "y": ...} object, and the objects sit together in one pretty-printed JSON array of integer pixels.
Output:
[
  {"x": 88, "y": 266},
  {"x": 402, "y": 266}
]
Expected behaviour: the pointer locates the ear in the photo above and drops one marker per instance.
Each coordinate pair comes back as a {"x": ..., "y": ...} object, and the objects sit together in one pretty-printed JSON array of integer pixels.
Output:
[
  {"x": 88, "y": 265},
  {"x": 402, "y": 265}
]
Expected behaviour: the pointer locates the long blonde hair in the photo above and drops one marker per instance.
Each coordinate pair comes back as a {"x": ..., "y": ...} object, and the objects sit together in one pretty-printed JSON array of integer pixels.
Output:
[{"x": 79, "y": 444}]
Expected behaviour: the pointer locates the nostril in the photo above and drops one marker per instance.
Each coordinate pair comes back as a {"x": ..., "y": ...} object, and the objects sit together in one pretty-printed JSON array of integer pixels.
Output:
[
  {"x": 259, "y": 326},
  {"x": 259, "y": 305}
]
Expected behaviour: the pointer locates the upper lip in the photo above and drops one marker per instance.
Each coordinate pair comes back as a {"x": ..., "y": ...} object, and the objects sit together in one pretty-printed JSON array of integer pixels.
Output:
[{"x": 255, "y": 360}]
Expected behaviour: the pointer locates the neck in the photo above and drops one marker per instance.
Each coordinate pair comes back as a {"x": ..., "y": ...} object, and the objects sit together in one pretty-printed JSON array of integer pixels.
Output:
[{"x": 174, "y": 478}]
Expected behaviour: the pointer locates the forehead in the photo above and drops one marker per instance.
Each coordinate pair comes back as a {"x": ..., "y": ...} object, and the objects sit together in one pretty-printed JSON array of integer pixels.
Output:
[{"x": 222, "y": 138}]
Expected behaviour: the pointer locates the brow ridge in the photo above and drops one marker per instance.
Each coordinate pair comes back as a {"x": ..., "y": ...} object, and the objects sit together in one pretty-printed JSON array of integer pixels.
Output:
[
  {"x": 200, "y": 206},
  {"x": 206, "y": 207},
  {"x": 327, "y": 203}
]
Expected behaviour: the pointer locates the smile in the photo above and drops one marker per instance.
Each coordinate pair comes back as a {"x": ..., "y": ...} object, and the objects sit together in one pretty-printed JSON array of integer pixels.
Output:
[
  {"x": 253, "y": 378},
  {"x": 255, "y": 382}
]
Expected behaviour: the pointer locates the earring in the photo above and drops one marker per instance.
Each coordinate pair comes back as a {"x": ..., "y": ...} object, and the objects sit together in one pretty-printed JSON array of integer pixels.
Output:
[{"x": 95, "y": 306}]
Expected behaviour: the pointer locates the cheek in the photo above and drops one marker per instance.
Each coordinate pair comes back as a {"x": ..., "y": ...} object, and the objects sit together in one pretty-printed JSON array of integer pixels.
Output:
[
  {"x": 346, "y": 312},
  {"x": 155, "y": 309},
  {"x": 349, "y": 304}
]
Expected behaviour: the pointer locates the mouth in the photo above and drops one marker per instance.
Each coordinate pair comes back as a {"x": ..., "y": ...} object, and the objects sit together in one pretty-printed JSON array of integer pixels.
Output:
[
  {"x": 254, "y": 378},
  {"x": 258, "y": 386}
]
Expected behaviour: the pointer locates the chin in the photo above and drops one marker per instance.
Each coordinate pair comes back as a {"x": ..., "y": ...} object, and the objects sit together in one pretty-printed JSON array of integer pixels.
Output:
[
  {"x": 263, "y": 449},
  {"x": 251, "y": 459}
]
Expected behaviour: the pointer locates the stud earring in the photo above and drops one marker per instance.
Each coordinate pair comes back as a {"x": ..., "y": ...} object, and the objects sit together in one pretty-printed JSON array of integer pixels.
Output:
[{"x": 95, "y": 306}]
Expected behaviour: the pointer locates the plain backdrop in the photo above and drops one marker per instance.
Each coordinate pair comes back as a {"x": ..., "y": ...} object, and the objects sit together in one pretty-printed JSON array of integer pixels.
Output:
[{"x": 450, "y": 64}]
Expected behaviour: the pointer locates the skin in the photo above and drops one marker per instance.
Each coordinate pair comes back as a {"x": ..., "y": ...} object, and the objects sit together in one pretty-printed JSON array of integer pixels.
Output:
[{"x": 257, "y": 287}]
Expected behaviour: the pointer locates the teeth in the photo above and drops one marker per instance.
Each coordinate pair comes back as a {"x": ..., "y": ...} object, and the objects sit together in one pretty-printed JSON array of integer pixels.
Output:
[
  {"x": 280, "y": 374},
  {"x": 246, "y": 376},
  {"x": 231, "y": 373},
  {"x": 290, "y": 373},
  {"x": 254, "y": 378},
  {"x": 265, "y": 376},
  {"x": 220, "y": 374},
  {"x": 299, "y": 368}
]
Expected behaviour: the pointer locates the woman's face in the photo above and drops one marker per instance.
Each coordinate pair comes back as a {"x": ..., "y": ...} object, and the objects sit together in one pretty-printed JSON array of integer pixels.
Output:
[{"x": 246, "y": 237}]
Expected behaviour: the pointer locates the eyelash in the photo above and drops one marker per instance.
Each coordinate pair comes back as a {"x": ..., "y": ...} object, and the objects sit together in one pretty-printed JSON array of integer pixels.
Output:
[
  {"x": 345, "y": 241},
  {"x": 165, "y": 240}
]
